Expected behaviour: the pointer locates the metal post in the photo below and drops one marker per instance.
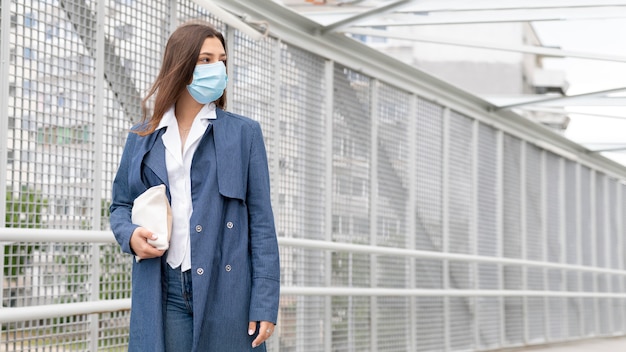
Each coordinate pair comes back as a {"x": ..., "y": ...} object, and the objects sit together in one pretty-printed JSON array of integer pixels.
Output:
[
  {"x": 445, "y": 218},
  {"x": 5, "y": 64},
  {"x": 579, "y": 248},
  {"x": 230, "y": 68},
  {"x": 544, "y": 241},
  {"x": 607, "y": 253},
  {"x": 619, "y": 228},
  {"x": 563, "y": 242},
  {"x": 594, "y": 257},
  {"x": 500, "y": 228},
  {"x": 524, "y": 235},
  {"x": 410, "y": 219},
  {"x": 172, "y": 20},
  {"x": 275, "y": 174},
  {"x": 99, "y": 60},
  {"x": 275, "y": 122},
  {"x": 373, "y": 225},
  {"x": 329, "y": 68},
  {"x": 99, "y": 119},
  {"x": 473, "y": 231}
]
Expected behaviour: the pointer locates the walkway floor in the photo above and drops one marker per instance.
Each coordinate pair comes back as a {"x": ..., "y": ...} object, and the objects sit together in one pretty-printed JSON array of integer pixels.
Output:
[{"x": 614, "y": 344}]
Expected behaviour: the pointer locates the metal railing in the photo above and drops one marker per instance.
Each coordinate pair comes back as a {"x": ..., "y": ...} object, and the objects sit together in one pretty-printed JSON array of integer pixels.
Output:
[{"x": 10, "y": 236}]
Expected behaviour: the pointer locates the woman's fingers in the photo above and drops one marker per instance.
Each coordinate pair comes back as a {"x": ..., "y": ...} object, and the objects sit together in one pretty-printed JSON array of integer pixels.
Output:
[
  {"x": 141, "y": 247},
  {"x": 265, "y": 331}
]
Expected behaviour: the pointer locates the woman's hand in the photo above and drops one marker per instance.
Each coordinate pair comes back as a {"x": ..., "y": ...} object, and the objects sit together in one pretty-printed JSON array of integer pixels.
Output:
[
  {"x": 139, "y": 244},
  {"x": 265, "y": 331}
]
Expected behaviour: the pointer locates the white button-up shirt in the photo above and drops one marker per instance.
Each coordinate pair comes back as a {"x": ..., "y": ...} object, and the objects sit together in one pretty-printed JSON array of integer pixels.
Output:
[{"x": 178, "y": 163}]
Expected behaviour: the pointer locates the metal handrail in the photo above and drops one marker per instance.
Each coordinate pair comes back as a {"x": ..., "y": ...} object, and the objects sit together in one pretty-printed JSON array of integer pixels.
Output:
[
  {"x": 78, "y": 236},
  {"x": 9, "y": 235}
]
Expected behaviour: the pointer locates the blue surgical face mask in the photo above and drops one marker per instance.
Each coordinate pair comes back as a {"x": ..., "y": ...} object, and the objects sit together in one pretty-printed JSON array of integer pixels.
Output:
[{"x": 209, "y": 82}]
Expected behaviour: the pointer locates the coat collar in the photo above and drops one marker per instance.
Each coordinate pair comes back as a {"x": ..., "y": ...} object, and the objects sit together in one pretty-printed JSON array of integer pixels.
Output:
[
  {"x": 231, "y": 161},
  {"x": 152, "y": 151}
]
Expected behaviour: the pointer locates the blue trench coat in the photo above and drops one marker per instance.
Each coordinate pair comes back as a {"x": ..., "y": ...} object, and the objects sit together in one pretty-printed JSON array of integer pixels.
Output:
[{"x": 234, "y": 252}]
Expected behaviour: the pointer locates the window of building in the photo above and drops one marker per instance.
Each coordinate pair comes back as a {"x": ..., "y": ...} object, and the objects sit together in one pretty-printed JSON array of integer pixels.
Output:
[
  {"x": 84, "y": 207},
  {"x": 124, "y": 32},
  {"x": 83, "y": 100},
  {"x": 30, "y": 20},
  {"x": 61, "y": 99},
  {"x": 28, "y": 123},
  {"x": 379, "y": 39},
  {"x": 61, "y": 206},
  {"x": 390, "y": 228},
  {"x": 361, "y": 228},
  {"x": 52, "y": 30},
  {"x": 29, "y": 54},
  {"x": 343, "y": 186},
  {"x": 347, "y": 147},
  {"x": 367, "y": 39},
  {"x": 28, "y": 88},
  {"x": 27, "y": 156},
  {"x": 360, "y": 37},
  {"x": 85, "y": 63},
  {"x": 341, "y": 224},
  {"x": 85, "y": 169},
  {"x": 359, "y": 187},
  {"x": 63, "y": 135}
]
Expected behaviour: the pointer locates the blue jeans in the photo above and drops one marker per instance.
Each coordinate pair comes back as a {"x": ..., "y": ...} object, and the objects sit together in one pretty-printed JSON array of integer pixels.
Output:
[{"x": 178, "y": 311}]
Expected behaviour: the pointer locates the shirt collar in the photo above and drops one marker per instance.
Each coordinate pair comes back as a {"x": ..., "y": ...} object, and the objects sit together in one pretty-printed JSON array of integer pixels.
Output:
[{"x": 207, "y": 113}]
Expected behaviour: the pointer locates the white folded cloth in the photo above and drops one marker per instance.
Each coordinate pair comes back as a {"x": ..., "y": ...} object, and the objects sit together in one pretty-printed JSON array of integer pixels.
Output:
[{"x": 151, "y": 210}]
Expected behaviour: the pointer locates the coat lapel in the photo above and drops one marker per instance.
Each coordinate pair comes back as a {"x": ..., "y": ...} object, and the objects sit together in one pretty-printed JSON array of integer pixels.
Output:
[{"x": 150, "y": 152}]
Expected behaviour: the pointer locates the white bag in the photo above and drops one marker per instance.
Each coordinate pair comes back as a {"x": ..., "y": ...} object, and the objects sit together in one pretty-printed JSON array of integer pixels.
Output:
[{"x": 151, "y": 210}]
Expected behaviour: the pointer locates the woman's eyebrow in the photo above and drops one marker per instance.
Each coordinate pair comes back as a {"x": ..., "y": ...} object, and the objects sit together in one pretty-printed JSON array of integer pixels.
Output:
[{"x": 212, "y": 54}]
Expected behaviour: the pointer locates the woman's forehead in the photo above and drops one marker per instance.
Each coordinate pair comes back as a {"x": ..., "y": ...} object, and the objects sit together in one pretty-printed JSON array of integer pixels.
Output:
[{"x": 212, "y": 45}]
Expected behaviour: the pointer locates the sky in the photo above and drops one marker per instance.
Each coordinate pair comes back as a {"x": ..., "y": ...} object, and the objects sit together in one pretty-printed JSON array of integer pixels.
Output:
[{"x": 592, "y": 36}]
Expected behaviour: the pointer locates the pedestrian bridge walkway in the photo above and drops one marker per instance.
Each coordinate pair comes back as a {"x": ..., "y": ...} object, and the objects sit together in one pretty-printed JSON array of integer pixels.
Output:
[{"x": 617, "y": 344}]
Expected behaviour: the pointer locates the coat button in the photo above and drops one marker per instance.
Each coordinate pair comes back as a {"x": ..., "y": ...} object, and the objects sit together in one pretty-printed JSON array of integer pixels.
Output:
[
  {"x": 199, "y": 271},
  {"x": 229, "y": 224},
  {"x": 228, "y": 267},
  {"x": 198, "y": 228}
]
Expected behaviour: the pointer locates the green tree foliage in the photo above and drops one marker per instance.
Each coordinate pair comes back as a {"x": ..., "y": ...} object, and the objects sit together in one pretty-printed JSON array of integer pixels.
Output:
[{"x": 23, "y": 210}]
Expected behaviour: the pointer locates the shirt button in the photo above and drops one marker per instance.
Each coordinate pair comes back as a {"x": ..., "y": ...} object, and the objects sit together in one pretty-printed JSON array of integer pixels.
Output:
[
  {"x": 229, "y": 224},
  {"x": 199, "y": 271},
  {"x": 198, "y": 228},
  {"x": 228, "y": 267}
]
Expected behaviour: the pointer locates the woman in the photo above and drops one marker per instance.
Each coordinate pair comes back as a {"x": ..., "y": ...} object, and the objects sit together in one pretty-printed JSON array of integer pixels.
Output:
[{"x": 217, "y": 286}]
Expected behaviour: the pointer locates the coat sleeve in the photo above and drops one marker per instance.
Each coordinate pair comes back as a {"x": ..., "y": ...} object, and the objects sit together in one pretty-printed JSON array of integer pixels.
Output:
[
  {"x": 121, "y": 200},
  {"x": 265, "y": 294}
]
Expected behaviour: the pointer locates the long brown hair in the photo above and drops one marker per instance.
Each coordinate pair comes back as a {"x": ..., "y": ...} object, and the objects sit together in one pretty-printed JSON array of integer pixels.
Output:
[{"x": 179, "y": 62}]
